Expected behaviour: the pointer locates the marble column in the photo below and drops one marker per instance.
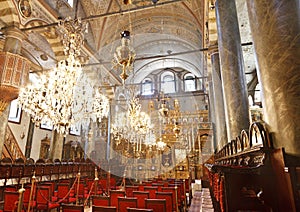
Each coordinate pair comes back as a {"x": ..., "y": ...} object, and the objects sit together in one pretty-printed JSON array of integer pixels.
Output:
[
  {"x": 3, "y": 126},
  {"x": 212, "y": 109},
  {"x": 56, "y": 146},
  {"x": 220, "y": 122},
  {"x": 13, "y": 44},
  {"x": 276, "y": 36},
  {"x": 92, "y": 139},
  {"x": 232, "y": 69}
]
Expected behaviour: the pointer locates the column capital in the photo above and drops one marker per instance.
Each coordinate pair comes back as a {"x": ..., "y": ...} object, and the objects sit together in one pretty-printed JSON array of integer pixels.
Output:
[
  {"x": 15, "y": 32},
  {"x": 13, "y": 40}
]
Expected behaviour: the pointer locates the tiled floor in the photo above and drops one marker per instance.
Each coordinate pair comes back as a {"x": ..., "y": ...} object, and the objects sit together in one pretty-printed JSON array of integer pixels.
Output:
[{"x": 201, "y": 201}]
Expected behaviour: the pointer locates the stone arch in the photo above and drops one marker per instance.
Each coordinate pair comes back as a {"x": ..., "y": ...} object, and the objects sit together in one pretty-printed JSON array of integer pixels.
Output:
[
  {"x": 50, "y": 34},
  {"x": 9, "y": 13}
]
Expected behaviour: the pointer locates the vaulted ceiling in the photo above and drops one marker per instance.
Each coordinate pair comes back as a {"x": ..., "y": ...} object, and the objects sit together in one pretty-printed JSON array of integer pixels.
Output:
[{"x": 164, "y": 34}]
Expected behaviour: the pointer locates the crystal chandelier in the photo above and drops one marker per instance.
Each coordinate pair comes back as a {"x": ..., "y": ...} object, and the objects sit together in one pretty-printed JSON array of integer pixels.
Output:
[
  {"x": 89, "y": 104},
  {"x": 65, "y": 96},
  {"x": 72, "y": 35},
  {"x": 124, "y": 55},
  {"x": 160, "y": 145},
  {"x": 135, "y": 123},
  {"x": 139, "y": 121}
]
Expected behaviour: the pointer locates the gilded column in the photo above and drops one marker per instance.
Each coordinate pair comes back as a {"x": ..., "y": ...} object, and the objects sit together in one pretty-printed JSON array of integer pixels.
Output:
[
  {"x": 276, "y": 37},
  {"x": 220, "y": 122},
  {"x": 232, "y": 69}
]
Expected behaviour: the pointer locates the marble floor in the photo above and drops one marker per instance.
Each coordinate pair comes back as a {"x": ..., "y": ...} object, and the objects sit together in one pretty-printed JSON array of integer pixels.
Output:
[{"x": 201, "y": 202}]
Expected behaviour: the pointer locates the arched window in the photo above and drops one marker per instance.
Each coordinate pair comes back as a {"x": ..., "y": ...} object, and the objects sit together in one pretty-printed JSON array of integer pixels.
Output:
[
  {"x": 71, "y": 2},
  {"x": 168, "y": 82},
  {"x": 189, "y": 82},
  {"x": 147, "y": 87}
]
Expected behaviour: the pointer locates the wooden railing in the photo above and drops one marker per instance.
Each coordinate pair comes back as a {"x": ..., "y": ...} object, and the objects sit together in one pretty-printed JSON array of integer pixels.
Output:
[
  {"x": 19, "y": 171},
  {"x": 248, "y": 174},
  {"x": 11, "y": 146}
]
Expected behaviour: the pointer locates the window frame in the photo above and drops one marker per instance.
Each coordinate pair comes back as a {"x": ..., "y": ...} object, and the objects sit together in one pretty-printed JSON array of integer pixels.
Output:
[
  {"x": 187, "y": 79},
  {"x": 165, "y": 74},
  {"x": 145, "y": 82}
]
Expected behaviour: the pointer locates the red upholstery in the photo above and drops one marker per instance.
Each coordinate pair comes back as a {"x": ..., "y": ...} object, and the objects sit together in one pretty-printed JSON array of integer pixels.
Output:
[
  {"x": 102, "y": 184},
  {"x": 104, "y": 208},
  {"x": 125, "y": 202},
  {"x": 114, "y": 194},
  {"x": 166, "y": 184},
  {"x": 94, "y": 186},
  {"x": 129, "y": 190},
  {"x": 10, "y": 201},
  {"x": 141, "y": 187},
  {"x": 29, "y": 190},
  {"x": 80, "y": 191},
  {"x": 11, "y": 188},
  {"x": 51, "y": 185},
  {"x": 43, "y": 199},
  {"x": 158, "y": 185},
  {"x": 158, "y": 205},
  {"x": 147, "y": 183},
  {"x": 141, "y": 196},
  {"x": 113, "y": 183},
  {"x": 62, "y": 193},
  {"x": 168, "y": 196},
  {"x": 100, "y": 200},
  {"x": 152, "y": 190}
]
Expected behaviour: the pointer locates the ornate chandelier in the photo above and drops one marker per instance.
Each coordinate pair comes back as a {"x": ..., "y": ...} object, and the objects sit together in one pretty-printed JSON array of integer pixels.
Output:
[
  {"x": 89, "y": 104},
  {"x": 124, "y": 55},
  {"x": 139, "y": 121},
  {"x": 51, "y": 99},
  {"x": 65, "y": 96},
  {"x": 134, "y": 124},
  {"x": 160, "y": 145}
]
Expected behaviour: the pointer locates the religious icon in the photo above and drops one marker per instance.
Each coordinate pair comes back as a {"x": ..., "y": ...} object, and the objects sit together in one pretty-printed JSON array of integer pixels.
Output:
[{"x": 25, "y": 8}]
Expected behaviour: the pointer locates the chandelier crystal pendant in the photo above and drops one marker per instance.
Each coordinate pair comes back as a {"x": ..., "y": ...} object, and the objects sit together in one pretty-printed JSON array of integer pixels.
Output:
[
  {"x": 161, "y": 145},
  {"x": 65, "y": 96},
  {"x": 50, "y": 100},
  {"x": 134, "y": 127},
  {"x": 125, "y": 55},
  {"x": 139, "y": 121},
  {"x": 72, "y": 34}
]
